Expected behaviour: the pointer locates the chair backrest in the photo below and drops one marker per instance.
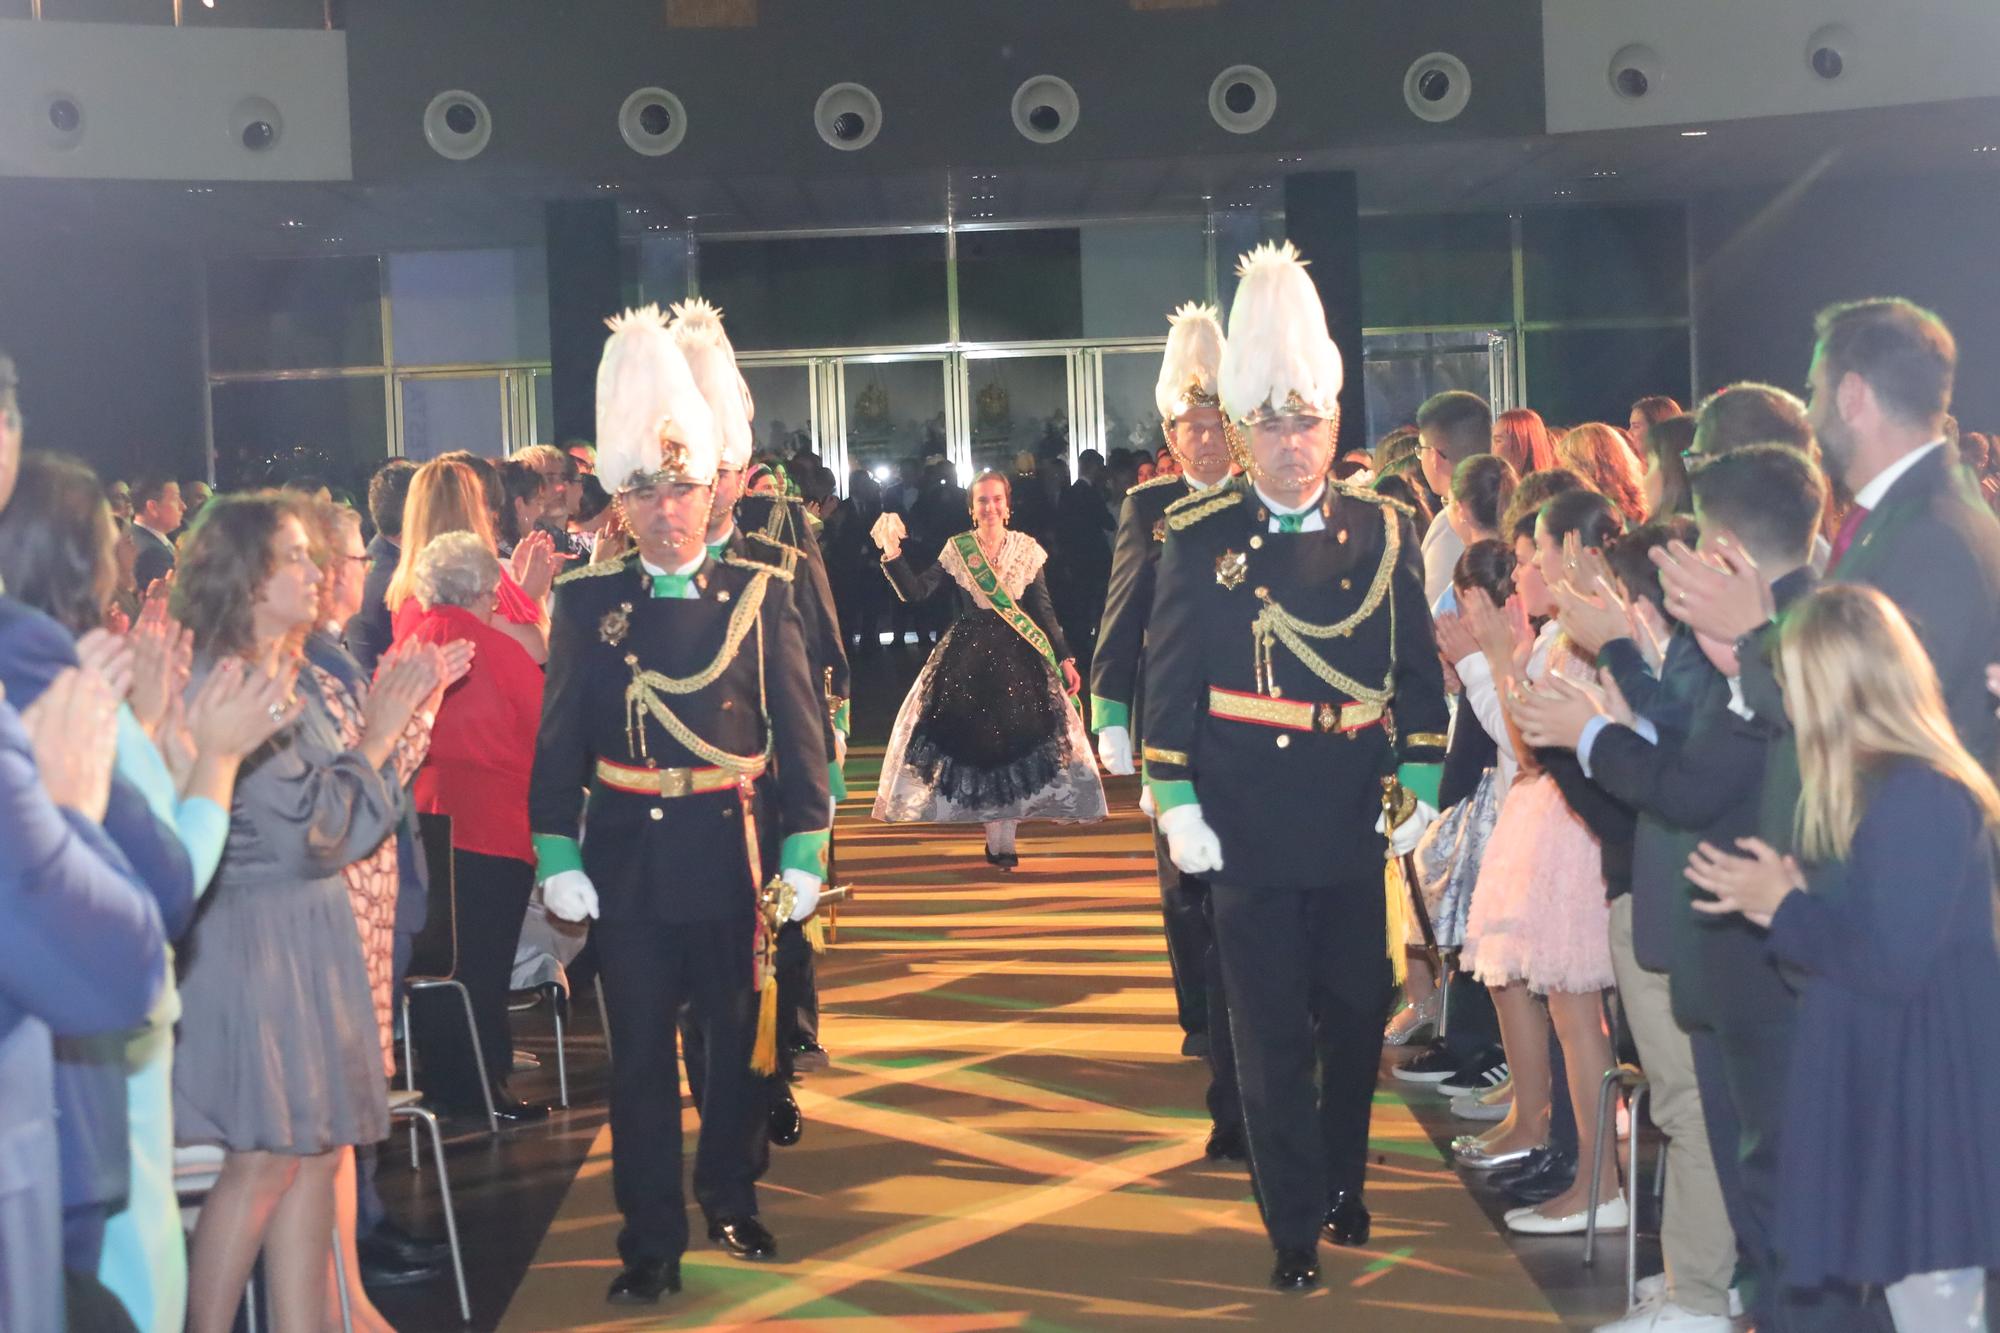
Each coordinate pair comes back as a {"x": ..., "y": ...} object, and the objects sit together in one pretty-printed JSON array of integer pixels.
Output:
[{"x": 434, "y": 953}]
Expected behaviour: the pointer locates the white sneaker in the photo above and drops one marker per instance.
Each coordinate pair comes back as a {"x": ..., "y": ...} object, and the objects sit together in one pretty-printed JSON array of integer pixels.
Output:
[{"x": 1666, "y": 1317}]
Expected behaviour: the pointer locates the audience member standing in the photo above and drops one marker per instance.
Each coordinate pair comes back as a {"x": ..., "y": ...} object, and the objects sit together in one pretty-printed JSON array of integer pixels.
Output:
[
  {"x": 1451, "y": 427},
  {"x": 369, "y": 633},
  {"x": 156, "y": 516}
]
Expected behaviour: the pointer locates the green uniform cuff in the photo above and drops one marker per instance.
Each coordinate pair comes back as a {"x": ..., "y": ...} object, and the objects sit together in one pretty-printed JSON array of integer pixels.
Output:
[
  {"x": 836, "y": 781},
  {"x": 1421, "y": 781},
  {"x": 805, "y": 851},
  {"x": 1169, "y": 793},
  {"x": 843, "y": 718},
  {"x": 1108, "y": 713},
  {"x": 555, "y": 854}
]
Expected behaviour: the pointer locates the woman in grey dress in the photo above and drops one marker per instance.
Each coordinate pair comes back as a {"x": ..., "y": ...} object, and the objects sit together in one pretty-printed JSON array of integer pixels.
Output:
[{"x": 279, "y": 1060}]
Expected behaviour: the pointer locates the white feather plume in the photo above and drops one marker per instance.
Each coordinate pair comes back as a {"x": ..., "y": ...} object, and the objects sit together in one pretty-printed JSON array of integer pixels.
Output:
[
  {"x": 1193, "y": 359},
  {"x": 697, "y": 328},
  {"x": 1278, "y": 345},
  {"x": 645, "y": 393}
]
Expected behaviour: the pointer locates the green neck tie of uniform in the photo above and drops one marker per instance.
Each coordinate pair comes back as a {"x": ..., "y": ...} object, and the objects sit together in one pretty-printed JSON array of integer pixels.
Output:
[
  {"x": 672, "y": 585},
  {"x": 1291, "y": 522}
]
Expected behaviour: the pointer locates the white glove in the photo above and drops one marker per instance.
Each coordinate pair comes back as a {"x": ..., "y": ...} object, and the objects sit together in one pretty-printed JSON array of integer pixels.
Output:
[
  {"x": 806, "y": 886},
  {"x": 1114, "y": 751},
  {"x": 1147, "y": 805},
  {"x": 1190, "y": 841},
  {"x": 1403, "y": 839},
  {"x": 839, "y": 747},
  {"x": 889, "y": 533},
  {"x": 569, "y": 894}
]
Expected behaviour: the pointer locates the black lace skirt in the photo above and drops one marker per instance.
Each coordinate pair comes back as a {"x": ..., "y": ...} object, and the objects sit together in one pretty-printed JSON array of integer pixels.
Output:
[{"x": 987, "y": 733}]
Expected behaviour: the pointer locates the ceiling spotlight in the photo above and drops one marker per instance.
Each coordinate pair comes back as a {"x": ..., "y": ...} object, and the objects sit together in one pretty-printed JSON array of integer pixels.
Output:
[
  {"x": 1694, "y": 134},
  {"x": 293, "y": 223}
]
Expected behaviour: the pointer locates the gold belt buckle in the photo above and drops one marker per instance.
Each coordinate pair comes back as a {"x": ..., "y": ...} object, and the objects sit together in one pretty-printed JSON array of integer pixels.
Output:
[
  {"x": 676, "y": 781},
  {"x": 1326, "y": 718}
]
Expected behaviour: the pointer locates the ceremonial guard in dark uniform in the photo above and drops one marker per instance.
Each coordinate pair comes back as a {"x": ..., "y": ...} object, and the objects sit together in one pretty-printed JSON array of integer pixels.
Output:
[
  {"x": 680, "y": 703},
  {"x": 1197, "y": 433},
  {"x": 698, "y": 332},
  {"x": 1290, "y": 671}
]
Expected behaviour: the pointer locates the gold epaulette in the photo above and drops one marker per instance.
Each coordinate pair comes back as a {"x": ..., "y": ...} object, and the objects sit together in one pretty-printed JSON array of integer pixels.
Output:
[
  {"x": 596, "y": 571},
  {"x": 1195, "y": 508},
  {"x": 1374, "y": 497},
  {"x": 783, "y": 572},
  {"x": 1164, "y": 479}
]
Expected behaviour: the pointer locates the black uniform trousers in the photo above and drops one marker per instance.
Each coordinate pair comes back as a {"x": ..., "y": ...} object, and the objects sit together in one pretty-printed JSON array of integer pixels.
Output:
[
  {"x": 649, "y": 969},
  {"x": 1308, "y": 1039},
  {"x": 767, "y": 1087},
  {"x": 1184, "y": 903}
]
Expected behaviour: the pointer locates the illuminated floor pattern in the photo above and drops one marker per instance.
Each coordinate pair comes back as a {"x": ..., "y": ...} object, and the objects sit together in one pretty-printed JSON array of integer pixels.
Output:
[{"x": 1009, "y": 1138}]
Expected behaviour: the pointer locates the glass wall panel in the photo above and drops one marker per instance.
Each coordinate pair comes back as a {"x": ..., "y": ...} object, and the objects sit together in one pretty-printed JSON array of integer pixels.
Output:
[
  {"x": 1603, "y": 263},
  {"x": 1131, "y": 418},
  {"x": 1019, "y": 404},
  {"x": 895, "y": 410},
  {"x": 455, "y": 412},
  {"x": 783, "y": 395},
  {"x": 294, "y": 314},
  {"x": 545, "y": 407},
  {"x": 1578, "y": 375},
  {"x": 1401, "y": 370},
  {"x": 662, "y": 267},
  {"x": 1135, "y": 273},
  {"x": 828, "y": 291},
  {"x": 279, "y": 430},
  {"x": 1020, "y": 286},
  {"x": 1438, "y": 269},
  {"x": 469, "y": 307},
  {"x": 1237, "y": 232}
]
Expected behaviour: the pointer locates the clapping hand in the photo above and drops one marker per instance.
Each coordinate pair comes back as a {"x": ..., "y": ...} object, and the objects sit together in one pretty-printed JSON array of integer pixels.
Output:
[
  {"x": 110, "y": 657},
  {"x": 1454, "y": 638},
  {"x": 1589, "y": 602},
  {"x": 70, "y": 729},
  {"x": 162, "y": 659},
  {"x": 1553, "y": 712},
  {"x": 1501, "y": 633},
  {"x": 1717, "y": 591},
  {"x": 409, "y": 674},
  {"x": 1754, "y": 883},
  {"x": 534, "y": 564},
  {"x": 239, "y": 707},
  {"x": 454, "y": 663}
]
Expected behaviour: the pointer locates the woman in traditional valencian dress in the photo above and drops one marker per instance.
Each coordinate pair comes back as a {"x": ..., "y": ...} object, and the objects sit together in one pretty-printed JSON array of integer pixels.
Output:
[{"x": 990, "y": 733}]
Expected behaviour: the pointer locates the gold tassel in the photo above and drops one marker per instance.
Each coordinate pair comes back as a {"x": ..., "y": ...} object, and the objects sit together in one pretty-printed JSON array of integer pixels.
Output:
[
  {"x": 1397, "y": 901},
  {"x": 764, "y": 1055},
  {"x": 815, "y": 933}
]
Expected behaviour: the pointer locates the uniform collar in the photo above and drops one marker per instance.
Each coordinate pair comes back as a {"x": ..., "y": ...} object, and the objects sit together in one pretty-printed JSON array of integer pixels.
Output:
[
  {"x": 652, "y": 569},
  {"x": 1869, "y": 496},
  {"x": 1280, "y": 511}
]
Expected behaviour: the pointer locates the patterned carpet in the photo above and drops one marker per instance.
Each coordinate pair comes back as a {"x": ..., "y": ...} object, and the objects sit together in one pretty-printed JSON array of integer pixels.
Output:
[{"x": 1009, "y": 1138}]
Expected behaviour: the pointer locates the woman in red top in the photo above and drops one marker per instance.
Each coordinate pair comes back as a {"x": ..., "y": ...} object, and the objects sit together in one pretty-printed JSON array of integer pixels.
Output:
[
  {"x": 482, "y": 748},
  {"x": 447, "y": 495}
]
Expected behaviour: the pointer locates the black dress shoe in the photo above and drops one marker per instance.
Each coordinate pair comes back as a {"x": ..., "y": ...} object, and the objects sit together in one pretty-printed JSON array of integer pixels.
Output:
[
  {"x": 1347, "y": 1219},
  {"x": 744, "y": 1237},
  {"x": 644, "y": 1283},
  {"x": 389, "y": 1241},
  {"x": 1555, "y": 1177},
  {"x": 1196, "y": 1045},
  {"x": 514, "y": 1111},
  {"x": 1296, "y": 1270},
  {"x": 1534, "y": 1164},
  {"x": 808, "y": 1054},
  {"x": 1004, "y": 860},
  {"x": 787, "y": 1125},
  {"x": 1225, "y": 1143},
  {"x": 387, "y": 1270}
]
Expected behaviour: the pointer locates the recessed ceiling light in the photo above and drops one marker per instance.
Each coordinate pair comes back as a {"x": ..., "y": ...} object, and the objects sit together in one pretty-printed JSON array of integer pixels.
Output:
[
  {"x": 1694, "y": 134},
  {"x": 1563, "y": 194},
  {"x": 1603, "y": 175},
  {"x": 1987, "y": 148},
  {"x": 293, "y": 222}
]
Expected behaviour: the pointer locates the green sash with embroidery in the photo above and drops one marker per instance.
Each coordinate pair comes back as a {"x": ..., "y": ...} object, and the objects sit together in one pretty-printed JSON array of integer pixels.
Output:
[{"x": 989, "y": 583}]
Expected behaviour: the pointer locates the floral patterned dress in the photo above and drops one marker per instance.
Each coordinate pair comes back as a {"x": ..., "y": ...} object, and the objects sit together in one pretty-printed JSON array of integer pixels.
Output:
[{"x": 373, "y": 881}]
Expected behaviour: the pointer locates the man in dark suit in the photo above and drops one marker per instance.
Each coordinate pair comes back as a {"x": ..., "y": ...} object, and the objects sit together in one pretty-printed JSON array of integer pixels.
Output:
[
  {"x": 1707, "y": 1008},
  {"x": 1191, "y": 414},
  {"x": 1881, "y": 385},
  {"x": 1290, "y": 670},
  {"x": 714, "y": 661},
  {"x": 156, "y": 514},
  {"x": 369, "y": 633}
]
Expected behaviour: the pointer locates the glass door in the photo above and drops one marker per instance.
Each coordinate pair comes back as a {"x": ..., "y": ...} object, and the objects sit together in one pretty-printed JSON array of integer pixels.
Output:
[
  {"x": 1019, "y": 401},
  {"x": 1400, "y": 369},
  {"x": 1127, "y": 417},
  {"x": 787, "y": 399},
  {"x": 490, "y": 412},
  {"x": 891, "y": 414}
]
